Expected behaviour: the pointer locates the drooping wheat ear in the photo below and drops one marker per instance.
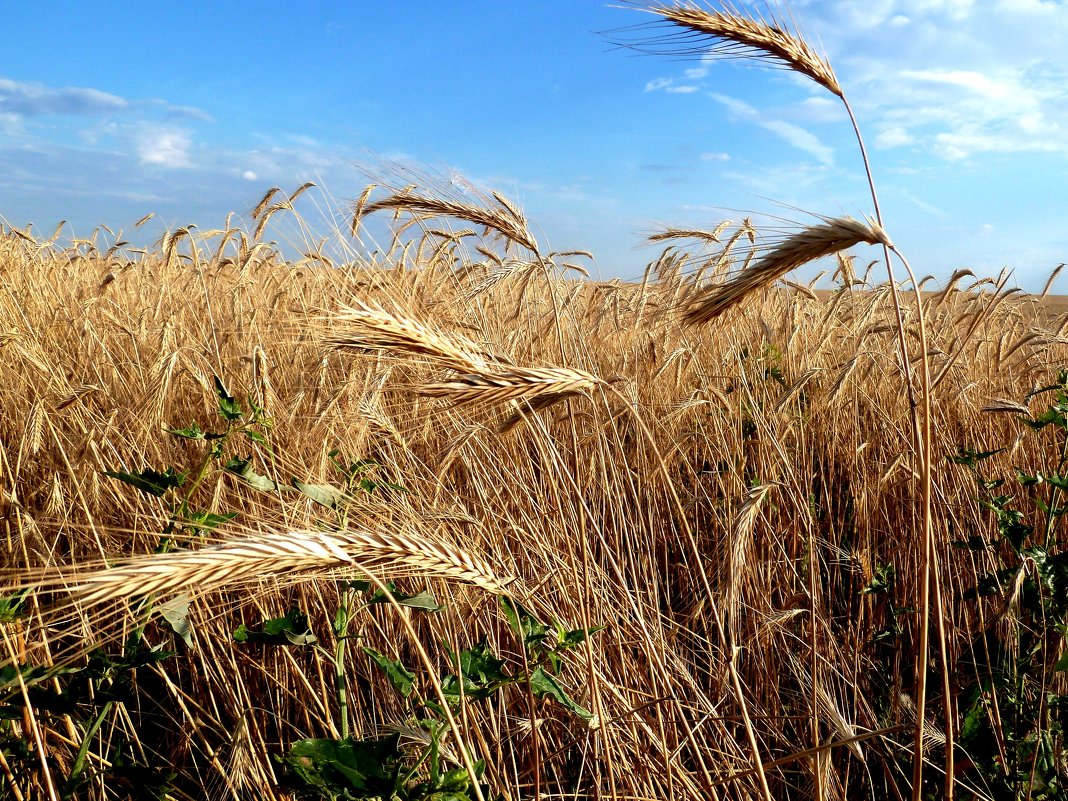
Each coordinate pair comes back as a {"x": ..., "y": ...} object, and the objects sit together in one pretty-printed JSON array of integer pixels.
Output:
[
  {"x": 241, "y": 561},
  {"x": 513, "y": 383},
  {"x": 365, "y": 327},
  {"x": 512, "y": 269},
  {"x": 834, "y": 235},
  {"x": 492, "y": 211},
  {"x": 733, "y": 34},
  {"x": 708, "y": 237},
  {"x": 741, "y": 551}
]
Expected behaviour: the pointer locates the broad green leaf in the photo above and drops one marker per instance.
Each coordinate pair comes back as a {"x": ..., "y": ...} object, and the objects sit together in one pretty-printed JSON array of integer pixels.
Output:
[
  {"x": 341, "y": 770},
  {"x": 970, "y": 458},
  {"x": 189, "y": 432},
  {"x": 243, "y": 469},
  {"x": 402, "y": 679},
  {"x": 255, "y": 436},
  {"x": 524, "y": 623},
  {"x": 481, "y": 671},
  {"x": 322, "y": 494},
  {"x": 151, "y": 481},
  {"x": 11, "y": 606},
  {"x": 571, "y": 639},
  {"x": 423, "y": 601},
  {"x": 291, "y": 629},
  {"x": 1062, "y": 663},
  {"x": 544, "y": 685},
  {"x": 228, "y": 407}
]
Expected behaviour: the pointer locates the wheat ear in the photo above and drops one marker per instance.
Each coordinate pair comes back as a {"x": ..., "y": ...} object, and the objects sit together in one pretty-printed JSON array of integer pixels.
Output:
[
  {"x": 513, "y": 383},
  {"x": 834, "y": 235},
  {"x": 245, "y": 560},
  {"x": 734, "y": 34},
  {"x": 366, "y": 327}
]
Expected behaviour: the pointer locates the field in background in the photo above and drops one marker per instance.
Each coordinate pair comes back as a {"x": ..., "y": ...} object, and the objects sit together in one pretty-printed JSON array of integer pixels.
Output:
[{"x": 735, "y": 503}]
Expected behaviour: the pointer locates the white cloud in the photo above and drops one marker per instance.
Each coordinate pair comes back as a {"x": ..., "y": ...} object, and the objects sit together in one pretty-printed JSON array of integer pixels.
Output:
[
  {"x": 249, "y": 175},
  {"x": 956, "y": 78},
  {"x": 715, "y": 157},
  {"x": 668, "y": 85},
  {"x": 895, "y": 136},
  {"x": 792, "y": 134},
  {"x": 165, "y": 147},
  {"x": 10, "y": 124}
]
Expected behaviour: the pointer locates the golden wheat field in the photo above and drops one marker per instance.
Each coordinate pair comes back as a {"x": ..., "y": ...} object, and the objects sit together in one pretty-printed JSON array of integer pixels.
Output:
[{"x": 419, "y": 511}]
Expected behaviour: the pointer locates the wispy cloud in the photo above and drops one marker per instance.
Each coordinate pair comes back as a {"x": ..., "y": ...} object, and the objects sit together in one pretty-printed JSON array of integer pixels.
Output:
[
  {"x": 30, "y": 100},
  {"x": 36, "y": 100},
  {"x": 792, "y": 134},
  {"x": 668, "y": 85},
  {"x": 978, "y": 80}
]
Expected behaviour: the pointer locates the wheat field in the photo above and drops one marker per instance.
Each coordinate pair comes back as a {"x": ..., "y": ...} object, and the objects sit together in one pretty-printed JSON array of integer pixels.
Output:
[{"x": 722, "y": 478}]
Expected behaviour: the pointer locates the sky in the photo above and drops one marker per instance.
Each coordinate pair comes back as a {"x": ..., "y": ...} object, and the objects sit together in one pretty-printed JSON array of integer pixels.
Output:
[{"x": 194, "y": 110}]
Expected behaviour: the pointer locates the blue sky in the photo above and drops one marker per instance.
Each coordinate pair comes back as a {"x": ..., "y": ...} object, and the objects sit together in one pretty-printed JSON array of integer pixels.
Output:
[{"x": 193, "y": 110}]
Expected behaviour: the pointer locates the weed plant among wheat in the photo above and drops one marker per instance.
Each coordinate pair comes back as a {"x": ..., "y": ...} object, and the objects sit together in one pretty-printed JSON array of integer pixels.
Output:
[{"x": 712, "y": 482}]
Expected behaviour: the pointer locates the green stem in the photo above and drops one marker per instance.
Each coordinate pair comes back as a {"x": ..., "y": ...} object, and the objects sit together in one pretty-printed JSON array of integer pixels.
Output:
[
  {"x": 340, "y": 651},
  {"x": 78, "y": 767}
]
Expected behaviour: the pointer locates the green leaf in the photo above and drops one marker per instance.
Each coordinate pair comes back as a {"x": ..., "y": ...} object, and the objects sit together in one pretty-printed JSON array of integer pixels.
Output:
[
  {"x": 970, "y": 458},
  {"x": 423, "y": 601},
  {"x": 544, "y": 685},
  {"x": 243, "y": 469},
  {"x": 882, "y": 580},
  {"x": 341, "y": 770},
  {"x": 402, "y": 679},
  {"x": 524, "y": 624},
  {"x": 1049, "y": 417},
  {"x": 571, "y": 639},
  {"x": 11, "y": 606},
  {"x": 1062, "y": 663},
  {"x": 290, "y": 629},
  {"x": 481, "y": 674},
  {"x": 228, "y": 407},
  {"x": 204, "y": 522},
  {"x": 189, "y": 432},
  {"x": 255, "y": 436},
  {"x": 151, "y": 481},
  {"x": 322, "y": 494}
]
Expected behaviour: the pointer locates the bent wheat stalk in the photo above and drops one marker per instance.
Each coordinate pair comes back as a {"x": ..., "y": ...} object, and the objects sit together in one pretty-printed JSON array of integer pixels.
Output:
[{"x": 732, "y": 33}]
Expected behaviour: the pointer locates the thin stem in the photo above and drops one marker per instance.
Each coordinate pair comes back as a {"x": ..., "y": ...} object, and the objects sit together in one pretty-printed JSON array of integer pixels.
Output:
[{"x": 922, "y": 436}]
